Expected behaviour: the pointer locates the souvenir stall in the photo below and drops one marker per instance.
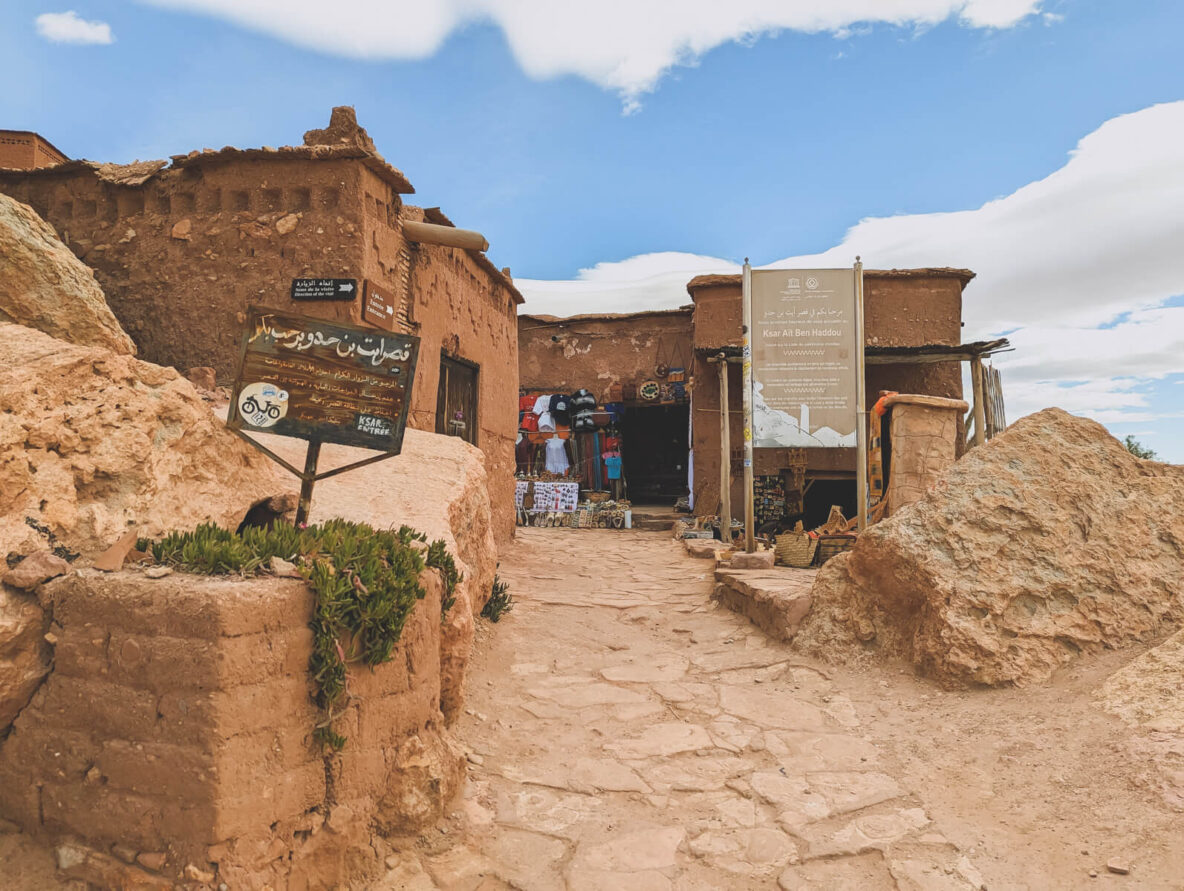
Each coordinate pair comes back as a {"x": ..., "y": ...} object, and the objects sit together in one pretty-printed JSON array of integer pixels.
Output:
[{"x": 569, "y": 463}]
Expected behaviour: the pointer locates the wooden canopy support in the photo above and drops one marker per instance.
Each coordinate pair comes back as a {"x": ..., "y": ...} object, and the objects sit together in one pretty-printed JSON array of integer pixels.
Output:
[{"x": 449, "y": 236}]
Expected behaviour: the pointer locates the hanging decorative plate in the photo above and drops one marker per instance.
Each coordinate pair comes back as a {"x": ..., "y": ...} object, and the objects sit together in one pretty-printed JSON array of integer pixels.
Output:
[{"x": 649, "y": 391}]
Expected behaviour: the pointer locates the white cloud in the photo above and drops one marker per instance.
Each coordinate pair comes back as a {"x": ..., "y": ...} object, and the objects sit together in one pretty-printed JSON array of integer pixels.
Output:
[
  {"x": 67, "y": 27},
  {"x": 623, "y": 45},
  {"x": 1094, "y": 242}
]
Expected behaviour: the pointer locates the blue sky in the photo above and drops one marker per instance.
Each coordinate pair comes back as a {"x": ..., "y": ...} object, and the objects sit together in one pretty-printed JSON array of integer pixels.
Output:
[{"x": 572, "y": 153}]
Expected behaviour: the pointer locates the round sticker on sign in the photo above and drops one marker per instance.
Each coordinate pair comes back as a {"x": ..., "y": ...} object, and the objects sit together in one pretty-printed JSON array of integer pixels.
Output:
[{"x": 262, "y": 405}]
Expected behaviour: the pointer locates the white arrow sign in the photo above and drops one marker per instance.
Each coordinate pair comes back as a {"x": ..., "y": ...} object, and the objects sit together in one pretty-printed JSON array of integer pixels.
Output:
[{"x": 346, "y": 287}]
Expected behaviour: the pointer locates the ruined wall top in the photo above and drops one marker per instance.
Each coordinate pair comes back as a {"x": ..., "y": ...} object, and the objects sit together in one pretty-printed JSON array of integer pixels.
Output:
[{"x": 343, "y": 129}]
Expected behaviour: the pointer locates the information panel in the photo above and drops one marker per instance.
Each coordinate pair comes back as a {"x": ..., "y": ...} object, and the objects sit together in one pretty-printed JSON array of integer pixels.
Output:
[
  {"x": 323, "y": 381},
  {"x": 804, "y": 358},
  {"x": 324, "y": 288}
]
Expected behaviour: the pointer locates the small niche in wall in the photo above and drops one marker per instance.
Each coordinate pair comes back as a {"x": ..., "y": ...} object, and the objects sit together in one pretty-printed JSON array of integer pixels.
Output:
[
  {"x": 240, "y": 200},
  {"x": 130, "y": 203},
  {"x": 185, "y": 202},
  {"x": 65, "y": 210},
  {"x": 164, "y": 204},
  {"x": 330, "y": 196},
  {"x": 87, "y": 207},
  {"x": 210, "y": 200},
  {"x": 301, "y": 199},
  {"x": 271, "y": 199}
]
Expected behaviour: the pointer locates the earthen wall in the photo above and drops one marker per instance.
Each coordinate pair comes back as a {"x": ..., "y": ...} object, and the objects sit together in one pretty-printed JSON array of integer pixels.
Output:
[
  {"x": 563, "y": 355},
  {"x": 182, "y": 255},
  {"x": 900, "y": 310},
  {"x": 26, "y": 151},
  {"x": 924, "y": 443},
  {"x": 177, "y": 725}
]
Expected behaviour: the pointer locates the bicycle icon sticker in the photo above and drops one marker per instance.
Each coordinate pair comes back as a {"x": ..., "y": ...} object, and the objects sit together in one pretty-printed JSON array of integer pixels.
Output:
[{"x": 262, "y": 405}]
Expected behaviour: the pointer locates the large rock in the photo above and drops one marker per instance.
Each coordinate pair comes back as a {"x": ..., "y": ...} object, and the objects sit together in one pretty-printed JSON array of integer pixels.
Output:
[
  {"x": 1049, "y": 541},
  {"x": 24, "y": 653},
  {"x": 92, "y": 443},
  {"x": 43, "y": 285}
]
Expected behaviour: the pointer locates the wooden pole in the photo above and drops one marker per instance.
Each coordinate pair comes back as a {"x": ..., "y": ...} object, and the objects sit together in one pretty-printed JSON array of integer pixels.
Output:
[
  {"x": 725, "y": 462},
  {"x": 980, "y": 415},
  {"x": 746, "y": 353},
  {"x": 861, "y": 425},
  {"x": 307, "y": 479},
  {"x": 450, "y": 236}
]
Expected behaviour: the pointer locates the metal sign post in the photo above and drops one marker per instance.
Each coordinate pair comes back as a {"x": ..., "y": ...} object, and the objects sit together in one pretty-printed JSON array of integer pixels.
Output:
[
  {"x": 746, "y": 354},
  {"x": 322, "y": 381},
  {"x": 861, "y": 418}
]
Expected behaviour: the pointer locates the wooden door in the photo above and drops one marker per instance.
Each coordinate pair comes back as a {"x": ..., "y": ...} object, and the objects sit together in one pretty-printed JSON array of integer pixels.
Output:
[{"x": 456, "y": 399}]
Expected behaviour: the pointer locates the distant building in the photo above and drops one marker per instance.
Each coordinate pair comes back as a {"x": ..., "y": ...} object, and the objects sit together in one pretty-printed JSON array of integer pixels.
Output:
[
  {"x": 671, "y": 441},
  {"x": 183, "y": 248},
  {"x": 25, "y": 150}
]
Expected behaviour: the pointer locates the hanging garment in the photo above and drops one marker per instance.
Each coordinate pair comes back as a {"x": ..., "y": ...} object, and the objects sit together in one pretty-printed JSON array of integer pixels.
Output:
[
  {"x": 546, "y": 423},
  {"x": 612, "y": 464},
  {"x": 542, "y": 404},
  {"x": 582, "y": 400},
  {"x": 522, "y": 454},
  {"x": 557, "y": 456},
  {"x": 561, "y": 408}
]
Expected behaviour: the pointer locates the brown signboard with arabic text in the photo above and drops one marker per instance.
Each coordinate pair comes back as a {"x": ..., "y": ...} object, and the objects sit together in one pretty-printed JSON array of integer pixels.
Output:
[{"x": 323, "y": 381}]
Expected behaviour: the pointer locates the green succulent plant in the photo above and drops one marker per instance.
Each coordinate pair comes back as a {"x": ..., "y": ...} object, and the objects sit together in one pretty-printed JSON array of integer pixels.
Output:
[{"x": 365, "y": 582}]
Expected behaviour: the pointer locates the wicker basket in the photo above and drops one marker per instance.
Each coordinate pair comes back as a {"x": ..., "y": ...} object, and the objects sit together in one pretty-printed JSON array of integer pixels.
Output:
[
  {"x": 829, "y": 545},
  {"x": 795, "y": 549},
  {"x": 597, "y": 497}
]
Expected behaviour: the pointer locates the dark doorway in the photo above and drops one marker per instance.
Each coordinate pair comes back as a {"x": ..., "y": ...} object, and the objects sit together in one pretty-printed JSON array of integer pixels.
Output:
[
  {"x": 826, "y": 492},
  {"x": 654, "y": 449},
  {"x": 456, "y": 399}
]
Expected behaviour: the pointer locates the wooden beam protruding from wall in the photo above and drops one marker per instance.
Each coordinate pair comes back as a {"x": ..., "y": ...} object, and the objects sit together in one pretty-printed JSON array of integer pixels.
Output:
[{"x": 431, "y": 233}]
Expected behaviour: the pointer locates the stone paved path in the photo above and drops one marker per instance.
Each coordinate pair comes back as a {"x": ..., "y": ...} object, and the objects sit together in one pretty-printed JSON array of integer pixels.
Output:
[{"x": 627, "y": 733}]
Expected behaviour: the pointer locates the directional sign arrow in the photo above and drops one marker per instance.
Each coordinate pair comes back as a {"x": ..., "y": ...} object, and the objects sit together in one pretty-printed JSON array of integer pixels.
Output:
[{"x": 348, "y": 286}]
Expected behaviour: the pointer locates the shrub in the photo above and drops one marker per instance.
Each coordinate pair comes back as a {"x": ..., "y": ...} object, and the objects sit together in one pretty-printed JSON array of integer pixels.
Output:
[
  {"x": 1139, "y": 450},
  {"x": 365, "y": 582},
  {"x": 501, "y": 601}
]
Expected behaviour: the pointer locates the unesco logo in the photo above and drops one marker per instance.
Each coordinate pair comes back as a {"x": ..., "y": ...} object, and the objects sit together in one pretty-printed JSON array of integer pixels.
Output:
[{"x": 812, "y": 283}]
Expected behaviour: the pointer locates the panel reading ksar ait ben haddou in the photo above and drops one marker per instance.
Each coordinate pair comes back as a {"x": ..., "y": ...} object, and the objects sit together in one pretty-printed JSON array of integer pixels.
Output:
[{"x": 322, "y": 381}]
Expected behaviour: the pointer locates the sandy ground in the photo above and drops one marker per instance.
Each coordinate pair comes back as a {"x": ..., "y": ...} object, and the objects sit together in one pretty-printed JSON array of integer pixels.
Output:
[{"x": 627, "y": 733}]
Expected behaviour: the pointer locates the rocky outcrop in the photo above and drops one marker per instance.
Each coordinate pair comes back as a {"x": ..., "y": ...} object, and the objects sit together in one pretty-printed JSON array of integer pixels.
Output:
[
  {"x": 93, "y": 443},
  {"x": 44, "y": 286},
  {"x": 1146, "y": 693},
  {"x": 24, "y": 653},
  {"x": 1049, "y": 541}
]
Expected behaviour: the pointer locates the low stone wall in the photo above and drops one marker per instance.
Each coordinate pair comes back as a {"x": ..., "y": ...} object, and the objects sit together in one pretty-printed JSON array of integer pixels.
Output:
[
  {"x": 173, "y": 739},
  {"x": 774, "y": 600}
]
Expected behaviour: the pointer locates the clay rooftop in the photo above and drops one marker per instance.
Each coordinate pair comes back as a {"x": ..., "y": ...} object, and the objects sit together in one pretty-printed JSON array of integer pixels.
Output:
[
  {"x": 544, "y": 319},
  {"x": 702, "y": 282}
]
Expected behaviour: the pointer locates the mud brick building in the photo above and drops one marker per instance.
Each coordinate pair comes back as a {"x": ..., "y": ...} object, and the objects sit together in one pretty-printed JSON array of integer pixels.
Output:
[
  {"x": 905, "y": 311},
  {"x": 601, "y": 352},
  {"x": 908, "y": 314},
  {"x": 182, "y": 248},
  {"x": 23, "y": 150}
]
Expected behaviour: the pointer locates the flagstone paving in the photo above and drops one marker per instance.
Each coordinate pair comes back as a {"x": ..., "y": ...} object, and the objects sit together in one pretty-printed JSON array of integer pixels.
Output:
[{"x": 625, "y": 732}]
